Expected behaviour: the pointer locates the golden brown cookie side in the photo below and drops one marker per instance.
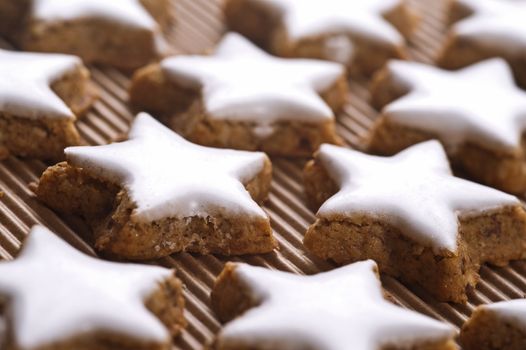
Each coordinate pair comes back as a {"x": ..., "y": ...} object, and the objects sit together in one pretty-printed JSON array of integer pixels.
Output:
[
  {"x": 167, "y": 303},
  {"x": 117, "y": 232},
  {"x": 457, "y": 11},
  {"x": 385, "y": 88},
  {"x": 43, "y": 138},
  {"x": 336, "y": 95},
  {"x": 388, "y": 138},
  {"x": 403, "y": 18},
  {"x": 287, "y": 138},
  {"x": 153, "y": 91},
  {"x": 126, "y": 48},
  {"x": 12, "y": 15},
  {"x": 121, "y": 235},
  {"x": 76, "y": 90},
  {"x": 501, "y": 170},
  {"x": 230, "y": 297},
  {"x": 484, "y": 331},
  {"x": 70, "y": 191},
  {"x": 253, "y": 20},
  {"x": 318, "y": 184},
  {"x": 161, "y": 11},
  {"x": 350, "y": 239}
]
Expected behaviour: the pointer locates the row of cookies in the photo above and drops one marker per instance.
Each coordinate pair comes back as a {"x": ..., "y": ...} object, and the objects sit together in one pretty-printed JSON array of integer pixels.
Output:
[
  {"x": 213, "y": 100},
  {"x": 129, "y": 33},
  {"x": 93, "y": 304}
]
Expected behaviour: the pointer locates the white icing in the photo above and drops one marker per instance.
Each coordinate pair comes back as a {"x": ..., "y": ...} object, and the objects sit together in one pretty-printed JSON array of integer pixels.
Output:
[
  {"x": 241, "y": 82},
  {"x": 479, "y": 104},
  {"x": 327, "y": 311},
  {"x": 414, "y": 190},
  {"x": 127, "y": 12},
  {"x": 512, "y": 310},
  {"x": 25, "y": 83},
  {"x": 305, "y": 18},
  {"x": 498, "y": 23},
  {"x": 55, "y": 292},
  {"x": 167, "y": 176}
]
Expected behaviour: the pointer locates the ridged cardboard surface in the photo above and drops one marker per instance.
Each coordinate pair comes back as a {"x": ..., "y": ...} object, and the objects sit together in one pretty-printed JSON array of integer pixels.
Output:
[{"x": 199, "y": 26}]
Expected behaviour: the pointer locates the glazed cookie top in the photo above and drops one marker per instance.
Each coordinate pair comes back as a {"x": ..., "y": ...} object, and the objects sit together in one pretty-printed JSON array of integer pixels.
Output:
[
  {"x": 499, "y": 23},
  {"x": 310, "y": 18},
  {"x": 479, "y": 104},
  {"x": 55, "y": 293},
  {"x": 127, "y": 12},
  {"x": 241, "y": 82},
  {"x": 167, "y": 176},
  {"x": 326, "y": 311},
  {"x": 414, "y": 191},
  {"x": 512, "y": 310},
  {"x": 25, "y": 84}
]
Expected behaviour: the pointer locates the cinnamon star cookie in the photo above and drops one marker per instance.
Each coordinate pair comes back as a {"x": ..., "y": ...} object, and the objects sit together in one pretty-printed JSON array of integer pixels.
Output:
[
  {"x": 241, "y": 97},
  {"x": 59, "y": 298},
  {"x": 361, "y": 34},
  {"x": 156, "y": 194},
  {"x": 336, "y": 310},
  {"x": 412, "y": 216},
  {"x": 41, "y": 96},
  {"x": 477, "y": 113}
]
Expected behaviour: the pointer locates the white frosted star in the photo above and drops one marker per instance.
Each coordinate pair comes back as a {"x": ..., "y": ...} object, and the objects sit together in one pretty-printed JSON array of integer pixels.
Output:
[
  {"x": 167, "y": 176},
  {"x": 55, "y": 293},
  {"x": 318, "y": 17},
  {"x": 413, "y": 190},
  {"x": 241, "y": 82},
  {"x": 338, "y": 310},
  {"x": 497, "y": 22},
  {"x": 479, "y": 104},
  {"x": 25, "y": 83},
  {"x": 129, "y": 12}
]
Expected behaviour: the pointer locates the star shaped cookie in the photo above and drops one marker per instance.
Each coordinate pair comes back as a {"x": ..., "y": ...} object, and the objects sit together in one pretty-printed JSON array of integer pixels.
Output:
[
  {"x": 171, "y": 195},
  {"x": 408, "y": 213},
  {"x": 487, "y": 28},
  {"x": 473, "y": 119},
  {"x": 59, "y": 297},
  {"x": 341, "y": 309},
  {"x": 40, "y": 97},
  {"x": 337, "y": 30},
  {"x": 246, "y": 98},
  {"x": 123, "y": 33}
]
